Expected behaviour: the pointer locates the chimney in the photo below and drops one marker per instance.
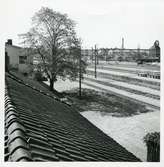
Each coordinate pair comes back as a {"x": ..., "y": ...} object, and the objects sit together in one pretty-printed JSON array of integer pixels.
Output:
[
  {"x": 122, "y": 43},
  {"x": 9, "y": 42}
]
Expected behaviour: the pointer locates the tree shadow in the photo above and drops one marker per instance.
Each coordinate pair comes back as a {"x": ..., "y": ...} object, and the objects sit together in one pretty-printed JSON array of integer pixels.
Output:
[{"x": 92, "y": 100}]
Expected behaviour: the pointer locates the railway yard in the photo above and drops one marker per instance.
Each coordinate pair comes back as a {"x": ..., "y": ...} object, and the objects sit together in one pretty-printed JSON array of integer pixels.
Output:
[{"x": 123, "y": 80}]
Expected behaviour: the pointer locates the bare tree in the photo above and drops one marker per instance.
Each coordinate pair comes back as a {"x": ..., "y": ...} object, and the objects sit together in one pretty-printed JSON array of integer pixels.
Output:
[{"x": 54, "y": 38}]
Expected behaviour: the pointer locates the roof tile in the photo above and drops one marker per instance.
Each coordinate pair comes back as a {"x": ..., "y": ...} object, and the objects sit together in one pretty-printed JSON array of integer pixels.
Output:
[
  {"x": 78, "y": 158},
  {"x": 11, "y": 113},
  {"x": 37, "y": 153},
  {"x": 16, "y": 144},
  {"x": 57, "y": 145},
  {"x": 48, "y": 150},
  {"x": 63, "y": 157},
  {"x": 61, "y": 151},
  {"x": 75, "y": 152},
  {"x": 39, "y": 142},
  {"x": 12, "y": 117},
  {"x": 6, "y": 157},
  {"x": 15, "y": 126},
  {"x": 37, "y": 136},
  {"x": 16, "y": 134},
  {"x": 90, "y": 158},
  {"x": 20, "y": 154}
]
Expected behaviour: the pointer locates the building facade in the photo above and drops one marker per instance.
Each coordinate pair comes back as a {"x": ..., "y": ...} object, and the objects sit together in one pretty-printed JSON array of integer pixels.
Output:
[{"x": 18, "y": 58}]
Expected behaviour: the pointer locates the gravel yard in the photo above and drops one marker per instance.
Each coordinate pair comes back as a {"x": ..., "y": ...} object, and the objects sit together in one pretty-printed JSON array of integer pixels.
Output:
[{"x": 127, "y": 131}]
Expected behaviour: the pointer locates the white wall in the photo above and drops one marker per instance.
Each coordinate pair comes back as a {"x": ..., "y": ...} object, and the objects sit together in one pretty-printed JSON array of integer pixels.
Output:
[{"x": 14, "y": 52}]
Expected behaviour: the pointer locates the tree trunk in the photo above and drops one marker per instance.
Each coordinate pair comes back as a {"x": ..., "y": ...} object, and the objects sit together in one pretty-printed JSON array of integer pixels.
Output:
[{"x": 51, "y": 84}]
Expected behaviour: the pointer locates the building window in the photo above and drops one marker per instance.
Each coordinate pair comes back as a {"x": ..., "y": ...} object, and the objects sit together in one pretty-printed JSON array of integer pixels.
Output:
[{"x": 22, "y": 59}]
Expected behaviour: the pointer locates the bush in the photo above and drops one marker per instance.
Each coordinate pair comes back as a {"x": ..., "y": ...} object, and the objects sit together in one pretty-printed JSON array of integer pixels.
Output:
[
  {"x": 152, "y": 141},
  {"x": 40, "y": 77},
  {"x": 153, "y": 137},
  {"x": 25, "y": 74}
]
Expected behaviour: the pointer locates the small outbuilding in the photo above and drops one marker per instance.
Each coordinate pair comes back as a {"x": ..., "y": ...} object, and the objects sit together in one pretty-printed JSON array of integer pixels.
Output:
[{"x": 17, "y": 58}]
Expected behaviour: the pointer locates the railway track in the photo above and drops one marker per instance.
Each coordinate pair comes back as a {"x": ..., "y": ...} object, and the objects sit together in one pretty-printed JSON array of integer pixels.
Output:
[
  {"x": 128, "y": 70},
  {"x": 128, "y": 66},
  {"x": 127, "y": 78},
  {"x": 151, "y": 104},
  {"x": 152, "y": 94}
]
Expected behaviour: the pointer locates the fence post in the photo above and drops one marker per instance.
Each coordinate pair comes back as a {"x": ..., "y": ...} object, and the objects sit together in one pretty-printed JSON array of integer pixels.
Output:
[{"x": 152, "y": 141}]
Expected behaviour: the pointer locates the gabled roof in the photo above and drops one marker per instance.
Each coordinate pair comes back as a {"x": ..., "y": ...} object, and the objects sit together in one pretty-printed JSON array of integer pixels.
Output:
[{"x": 39, "y": 127}]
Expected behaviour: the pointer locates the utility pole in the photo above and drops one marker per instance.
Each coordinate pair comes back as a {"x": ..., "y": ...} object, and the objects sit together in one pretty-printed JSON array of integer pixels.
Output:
[
  {"x": 95, "y": 62},
  {"x": 80, "y": 72},
  {"x": 92, "y": 55},
  {"x": 106, "y": 54},
  {"x": 122, "y": 43},
  {"x": 97, "y": 56},
  {"x": 122, "y": 47},
  {"x": 138, "y": 52}
]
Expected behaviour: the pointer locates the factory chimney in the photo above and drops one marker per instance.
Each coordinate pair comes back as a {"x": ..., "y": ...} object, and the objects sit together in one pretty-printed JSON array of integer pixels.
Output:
[{"x": 122, "y": 43}]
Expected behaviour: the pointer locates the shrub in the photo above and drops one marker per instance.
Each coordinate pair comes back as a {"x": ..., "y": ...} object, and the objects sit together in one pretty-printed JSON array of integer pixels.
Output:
[
  {"x": 38, "y": 76},
  {"x": 152, "y": 141},
  {"x": 153, "y": 137}
]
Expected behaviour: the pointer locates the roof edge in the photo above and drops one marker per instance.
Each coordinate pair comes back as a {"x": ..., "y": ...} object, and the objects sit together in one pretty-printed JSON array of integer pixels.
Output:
[
  {"x": 63, "y": 100},
  {"x": 18, "y": 146}
]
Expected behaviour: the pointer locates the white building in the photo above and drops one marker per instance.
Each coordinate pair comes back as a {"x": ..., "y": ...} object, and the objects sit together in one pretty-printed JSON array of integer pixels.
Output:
[{"x": 18, "y": 58}]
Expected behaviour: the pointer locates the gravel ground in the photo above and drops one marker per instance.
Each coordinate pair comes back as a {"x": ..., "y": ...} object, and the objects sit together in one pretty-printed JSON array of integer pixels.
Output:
[{"x": 127, "y": 131}]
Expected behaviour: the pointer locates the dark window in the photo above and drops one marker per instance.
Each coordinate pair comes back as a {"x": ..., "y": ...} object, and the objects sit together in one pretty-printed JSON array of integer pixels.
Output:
[{"x": 22, "y": 59}]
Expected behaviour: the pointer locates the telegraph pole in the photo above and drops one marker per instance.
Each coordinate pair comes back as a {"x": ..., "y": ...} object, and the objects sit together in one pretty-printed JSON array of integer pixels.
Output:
[
  {"x": 122, "y": 43},
  {"x": 122, "y": 47},
  {"x": 80, "y": 73},
  {"x": 97, "y": 56},
  {"x": 138, "y": 52},
  {"x": 95, "y": 62},
  {"x": 92, "y": 55}
]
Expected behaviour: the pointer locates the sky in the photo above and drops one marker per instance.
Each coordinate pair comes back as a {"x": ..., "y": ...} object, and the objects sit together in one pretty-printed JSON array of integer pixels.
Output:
[{"x": 100, "y": 22}]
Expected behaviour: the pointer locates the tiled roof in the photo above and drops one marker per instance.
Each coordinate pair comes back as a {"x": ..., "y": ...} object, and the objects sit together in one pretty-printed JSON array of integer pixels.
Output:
[
  {"x": 38, "y": 127},
  {"x": 31, "y": 82}
]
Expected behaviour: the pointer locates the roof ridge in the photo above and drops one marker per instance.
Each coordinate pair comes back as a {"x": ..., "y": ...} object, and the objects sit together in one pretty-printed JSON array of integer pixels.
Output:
[
  {"x": 18, "y": 146},
  {"x": 62, "y": 100}
]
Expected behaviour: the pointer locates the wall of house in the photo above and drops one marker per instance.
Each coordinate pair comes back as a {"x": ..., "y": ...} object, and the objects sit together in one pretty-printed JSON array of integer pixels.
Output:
[
  {"x": 23, "y": 68},
  {"x": 14, "y": 53}
]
